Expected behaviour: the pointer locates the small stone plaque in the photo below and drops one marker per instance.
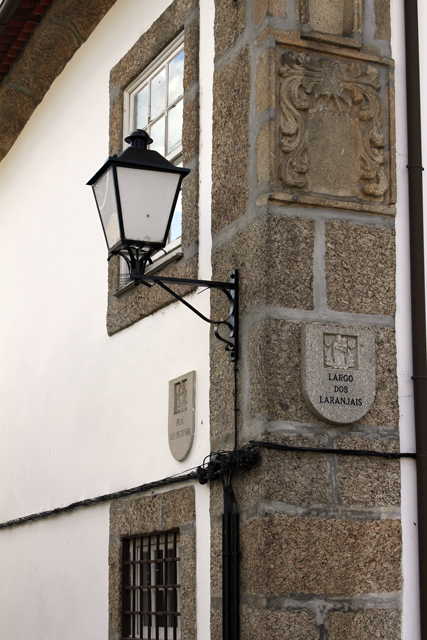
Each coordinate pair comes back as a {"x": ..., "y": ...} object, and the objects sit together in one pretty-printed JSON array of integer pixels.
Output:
[
  {"x": 182, "y": 406},
  {"x": 338, "y": 371}
]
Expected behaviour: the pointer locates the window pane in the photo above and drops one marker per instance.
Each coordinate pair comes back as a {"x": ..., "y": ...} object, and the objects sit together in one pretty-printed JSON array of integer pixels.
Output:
[
  {"x": 157, "y": 133},
  {"x": 141, "y": 109},
  {"x": 175, "y": 126},
  {"x": 176, "y": 77},
  {"x": 158, "y": 94},
  {"x": 176, "y": 226}
]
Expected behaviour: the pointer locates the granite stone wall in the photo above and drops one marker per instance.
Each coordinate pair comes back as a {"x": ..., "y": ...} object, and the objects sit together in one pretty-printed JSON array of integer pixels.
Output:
[{"x": 303, "y": 205}]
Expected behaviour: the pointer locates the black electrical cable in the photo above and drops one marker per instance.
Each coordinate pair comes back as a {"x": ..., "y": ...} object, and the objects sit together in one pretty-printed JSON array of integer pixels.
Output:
[
  {"x": 342, "y": 452},
  {"x": 213, "y": 467},
  {"x": 89, "y": 502},
  {"x": 235, "y": 405}
]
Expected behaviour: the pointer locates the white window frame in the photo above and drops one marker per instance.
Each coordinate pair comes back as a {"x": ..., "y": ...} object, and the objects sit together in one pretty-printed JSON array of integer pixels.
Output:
[{"x": 173, "y": 250}]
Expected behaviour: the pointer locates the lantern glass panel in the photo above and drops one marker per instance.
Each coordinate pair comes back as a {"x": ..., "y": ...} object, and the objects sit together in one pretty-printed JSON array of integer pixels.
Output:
[
  {"x": 105, "y": 195},
  {"x": 146, "y": 199}
]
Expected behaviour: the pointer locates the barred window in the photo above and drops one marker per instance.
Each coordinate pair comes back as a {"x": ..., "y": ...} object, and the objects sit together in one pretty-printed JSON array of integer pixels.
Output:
[{"x": 151, "y": 587}]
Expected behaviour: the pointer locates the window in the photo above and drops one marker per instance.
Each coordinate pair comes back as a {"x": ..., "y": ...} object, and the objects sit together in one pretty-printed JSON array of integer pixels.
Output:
[
  {"x": 177, "y": 26},
  {"x": 155, "y": 102},
  {"x": 151, "y": 587}
]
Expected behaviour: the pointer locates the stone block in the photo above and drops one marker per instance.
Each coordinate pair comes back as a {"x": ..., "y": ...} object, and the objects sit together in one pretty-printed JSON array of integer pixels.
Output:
[
  {"x": 277, "y": 8},
  {"x": 373, "y": 624},
  {"x": 263, "y": 8},
  {"x": 191, "y": 60},
  {"x": 327, "y": 16},
  {"x": 260, "y": 11},
  {"x": 221, "y": 395},
  {"x": 113, "y": 275},
  {"x": 44, "y": 58},
  {"x": 178, "y": 507},
  {"x": 115, "y": 588},
  {"x": 385, "y": 409},
  {"x": 188, "y": 585},
  {"x": 190, "y": 129},
  {"x": 266, "y": 156},
  {"x": 140, "y": 302},
  {"x": 291, "y": 478},
  {"x": 382, "y": 20},
  {"x": 249, "y": 253},
  {"x": 216, "y": 560},
  {"x": 275, "y": 372},
  {"x": 275, "y": 261},
  {"x": 368, "y": 482},
  {"x": 283, "y": 555},
  {"x": 216, "y": 503},
  {"x": 230, "y": 22},
  {"x": 134, "y": 516},
  {"x": 277, "y": 625},
  {"x": 291, "y": 247},
  {"x": 216, "y": 623},
  {"x": 190, "y": 205},
  {"x": 85, "y": 15},
  {"x": 230, "y": 153},
  {"x": 116, "y": 126},
  {"x": 265, "y": 81},
  {"x": 360, "y": 268},
  {"x": 16, "y": 109}
]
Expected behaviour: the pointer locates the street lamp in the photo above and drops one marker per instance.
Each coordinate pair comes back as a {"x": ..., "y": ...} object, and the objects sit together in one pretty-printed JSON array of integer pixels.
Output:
[{"x": 136, "y": 193}]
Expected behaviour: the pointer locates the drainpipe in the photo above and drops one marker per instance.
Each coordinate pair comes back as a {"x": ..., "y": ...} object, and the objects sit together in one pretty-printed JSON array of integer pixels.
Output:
[
  {"x": 230, "y": 568},
  {"x": 413, "y": 100}
]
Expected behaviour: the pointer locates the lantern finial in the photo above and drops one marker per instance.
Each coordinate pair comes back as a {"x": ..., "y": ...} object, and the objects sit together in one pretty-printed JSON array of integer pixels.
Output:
[{"x": 138, "y": 138}]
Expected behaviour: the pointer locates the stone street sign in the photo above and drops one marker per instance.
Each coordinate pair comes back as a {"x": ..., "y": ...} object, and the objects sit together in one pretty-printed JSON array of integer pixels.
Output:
[
  {"x": 181, "y": 423},
  {"x": 338, "y": 371}
]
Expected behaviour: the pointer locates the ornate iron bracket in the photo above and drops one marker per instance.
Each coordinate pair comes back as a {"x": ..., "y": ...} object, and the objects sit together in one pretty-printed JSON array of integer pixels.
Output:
[{"x": 230, "y": 289}]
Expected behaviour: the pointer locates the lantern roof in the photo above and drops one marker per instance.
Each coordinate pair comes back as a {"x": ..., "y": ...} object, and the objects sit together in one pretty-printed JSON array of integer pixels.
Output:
[{"x": 138, "y": 156}]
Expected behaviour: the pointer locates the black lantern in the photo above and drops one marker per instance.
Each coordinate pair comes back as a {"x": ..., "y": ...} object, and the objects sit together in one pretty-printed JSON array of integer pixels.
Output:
[{"x": 136, "y": 193}]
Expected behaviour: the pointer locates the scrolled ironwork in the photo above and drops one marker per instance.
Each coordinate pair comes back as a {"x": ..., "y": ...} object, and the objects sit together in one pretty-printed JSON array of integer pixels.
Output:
[{"x": 230, "y": 289}]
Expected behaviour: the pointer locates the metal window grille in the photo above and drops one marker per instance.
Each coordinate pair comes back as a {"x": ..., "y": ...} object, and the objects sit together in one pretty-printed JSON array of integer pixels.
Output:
[{"x": 151, "y": 587}]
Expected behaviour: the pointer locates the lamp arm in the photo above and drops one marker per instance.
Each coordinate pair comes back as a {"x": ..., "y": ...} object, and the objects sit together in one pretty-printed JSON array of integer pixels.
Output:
[{"x": 230, "y": 289}]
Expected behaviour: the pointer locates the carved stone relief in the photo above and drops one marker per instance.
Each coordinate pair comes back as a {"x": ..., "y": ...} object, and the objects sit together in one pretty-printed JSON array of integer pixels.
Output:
[
  {"x": 332, "y": 129},
  {"x": 338, "y": 375},
  {"x": 181, "y": 422}
]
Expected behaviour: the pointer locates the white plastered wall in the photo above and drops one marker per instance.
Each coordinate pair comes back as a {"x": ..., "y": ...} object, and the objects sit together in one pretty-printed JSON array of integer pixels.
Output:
[{"x": 84, "y": 414}]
